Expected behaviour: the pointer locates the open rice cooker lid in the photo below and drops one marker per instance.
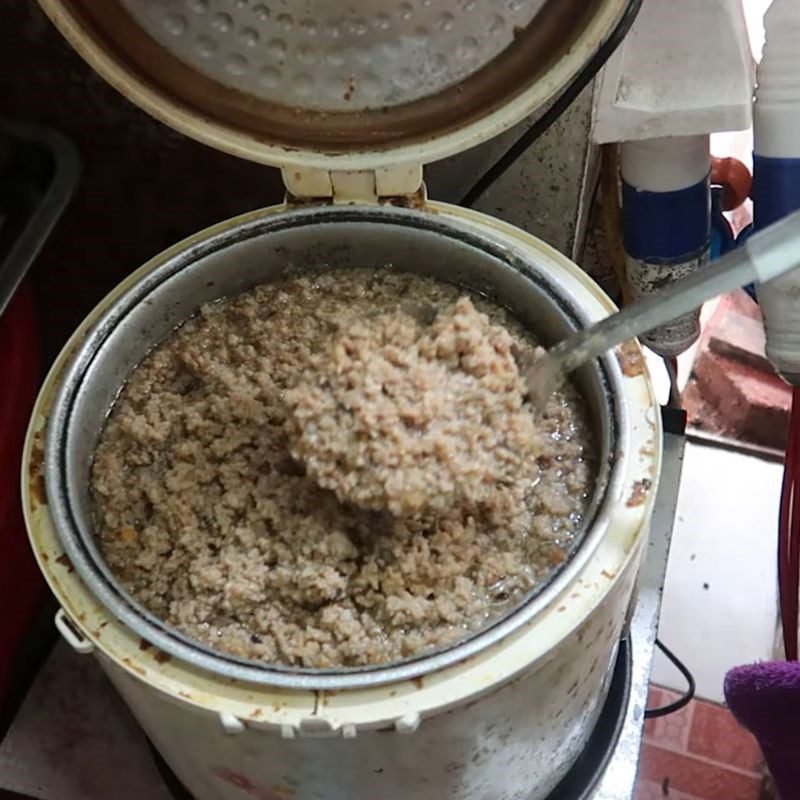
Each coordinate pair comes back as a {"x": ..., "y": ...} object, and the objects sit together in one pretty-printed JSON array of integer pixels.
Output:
[{"x": 330, "y": 86}]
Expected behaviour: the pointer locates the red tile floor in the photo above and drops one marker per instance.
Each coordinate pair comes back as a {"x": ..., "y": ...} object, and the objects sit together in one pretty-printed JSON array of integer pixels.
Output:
[{"x": 698, "y": 753}]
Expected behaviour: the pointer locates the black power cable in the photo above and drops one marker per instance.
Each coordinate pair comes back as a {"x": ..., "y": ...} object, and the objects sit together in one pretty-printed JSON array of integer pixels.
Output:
[
  {"x": 562, "y": 103},
  {"x": 685, "y": 699},
  {"x": 674, "y": 391}
]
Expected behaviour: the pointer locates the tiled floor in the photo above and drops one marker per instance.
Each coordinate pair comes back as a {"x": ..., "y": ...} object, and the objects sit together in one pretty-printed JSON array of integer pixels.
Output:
[{"x": 699, "y": 753}]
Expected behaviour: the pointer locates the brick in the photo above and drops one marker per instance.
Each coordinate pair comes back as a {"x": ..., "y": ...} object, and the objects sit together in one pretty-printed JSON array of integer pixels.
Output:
[
  {"x": 754, "y": 406},
  {"x": 717, "y": 736},
  {"x": 742, "y": 339},
  {"x": 733, "y": 391},
  {"x": 647, "y": 790},
  {"x": 696, "y": 777},
  {"x": 672, "y": 731},
  {"x": 654, "y": 700}
]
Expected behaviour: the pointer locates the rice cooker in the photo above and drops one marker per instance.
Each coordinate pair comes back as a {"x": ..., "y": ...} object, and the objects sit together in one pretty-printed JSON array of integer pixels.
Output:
[{"x": 349, "y": 100}]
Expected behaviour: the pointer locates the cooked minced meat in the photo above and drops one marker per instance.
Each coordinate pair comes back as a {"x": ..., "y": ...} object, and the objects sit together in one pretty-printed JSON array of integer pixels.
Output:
[
  {"x": 393, "y": 415},
  {"x": 210, "y": 523}
]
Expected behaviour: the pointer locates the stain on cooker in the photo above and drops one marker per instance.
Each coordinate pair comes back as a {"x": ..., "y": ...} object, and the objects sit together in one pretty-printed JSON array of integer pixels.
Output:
[
  {"x": 36, "y": 477},
  {"x": 137, "y": 669},
  {"x": 639, "y": 492},
  {"x": 63, "y": 559},
  {"x": 630, "y": 360}
]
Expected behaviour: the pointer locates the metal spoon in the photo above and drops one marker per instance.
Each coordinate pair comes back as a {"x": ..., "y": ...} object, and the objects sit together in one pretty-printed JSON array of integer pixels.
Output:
[{"x": 765, "y": 256}]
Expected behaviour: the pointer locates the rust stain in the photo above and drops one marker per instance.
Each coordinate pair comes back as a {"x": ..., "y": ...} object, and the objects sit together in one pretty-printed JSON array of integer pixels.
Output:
[
  {"x": 609, "y": 575},
  {"x": 630, "y": 360},
  {"x": 37, "y": 486},
  {"x": 63, "y": 559},
  {"x": 38, "y": 490},
  {"x": 161, "y": 657},
  {"x": 249, "y": 787},
  {"x": 103, "y": 624},
  {"x": 44, "y": 556},
  {"x": 186, "y": 695},
  {"x": 416, "y": 200},
  {"x": 294, "y": 200},
  {"x": 255, "y": 714},
  {"x": 144, "y": 644},
  {"x": 326, "y": 696},
  {"x": 133, "y": 666},
  {"x": 639, "y": 492},
  {"x": 418, "y": 682}
]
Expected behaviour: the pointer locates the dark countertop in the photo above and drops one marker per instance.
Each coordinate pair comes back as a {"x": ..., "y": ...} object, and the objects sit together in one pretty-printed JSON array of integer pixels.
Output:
[{"x": 143, "y": 186}]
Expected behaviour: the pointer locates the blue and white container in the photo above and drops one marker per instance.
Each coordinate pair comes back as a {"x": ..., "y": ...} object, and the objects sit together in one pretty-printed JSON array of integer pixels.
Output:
[{"x": 666, "y": 203}]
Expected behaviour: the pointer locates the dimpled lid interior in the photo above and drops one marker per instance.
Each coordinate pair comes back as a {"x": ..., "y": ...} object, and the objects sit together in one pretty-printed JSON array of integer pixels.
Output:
[
  {"x": 273, "y": 79},
  {"x": 323, "y": 56}
]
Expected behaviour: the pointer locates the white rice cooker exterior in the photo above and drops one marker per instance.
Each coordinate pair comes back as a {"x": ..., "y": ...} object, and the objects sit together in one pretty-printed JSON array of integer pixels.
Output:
[{"x": 505, "y": 723}]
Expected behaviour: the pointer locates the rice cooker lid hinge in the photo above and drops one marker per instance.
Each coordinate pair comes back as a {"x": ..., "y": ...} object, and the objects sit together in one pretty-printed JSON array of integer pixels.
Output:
[{"x": 397, "y": 185}]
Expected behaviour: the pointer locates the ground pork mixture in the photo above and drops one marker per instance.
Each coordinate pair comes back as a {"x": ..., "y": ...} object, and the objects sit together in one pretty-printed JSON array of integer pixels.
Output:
[
  {"x": 395, "y": 416},
  {"x": 210, "y": 522}
]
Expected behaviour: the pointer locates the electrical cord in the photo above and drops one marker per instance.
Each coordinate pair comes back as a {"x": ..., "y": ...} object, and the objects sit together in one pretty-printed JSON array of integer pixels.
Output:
[
  {"x": 789, "y": 535},
  {"x": 561, "y": 104},
  {"x": 674, "y": 392},
  {"x": 612, "y": 219},
  {"x": 688, "y": 695}
]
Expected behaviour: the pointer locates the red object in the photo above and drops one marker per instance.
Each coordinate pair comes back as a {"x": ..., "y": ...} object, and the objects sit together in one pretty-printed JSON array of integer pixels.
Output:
[
  {"x": 22, "y": 587},
  {"x": 734, "y": 178},
  {"x": 730, "y": 397},
  {"x": 789, "y": 535}
]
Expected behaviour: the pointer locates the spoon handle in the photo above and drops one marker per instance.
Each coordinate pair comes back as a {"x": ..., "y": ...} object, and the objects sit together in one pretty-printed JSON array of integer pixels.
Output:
[{"x": 765, "y": 256}]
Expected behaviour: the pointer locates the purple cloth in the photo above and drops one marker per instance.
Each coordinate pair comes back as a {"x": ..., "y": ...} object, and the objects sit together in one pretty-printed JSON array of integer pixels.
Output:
[{"x": 765, "y": 698}]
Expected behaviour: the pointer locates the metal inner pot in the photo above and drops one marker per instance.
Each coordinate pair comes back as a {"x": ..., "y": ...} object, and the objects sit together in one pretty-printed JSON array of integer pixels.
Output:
[{"x": 240, "y": 255}]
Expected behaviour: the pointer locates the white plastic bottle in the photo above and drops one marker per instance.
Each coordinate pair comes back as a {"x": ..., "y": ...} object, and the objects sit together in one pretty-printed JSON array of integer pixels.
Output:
[{"x": 776, "y": 173}]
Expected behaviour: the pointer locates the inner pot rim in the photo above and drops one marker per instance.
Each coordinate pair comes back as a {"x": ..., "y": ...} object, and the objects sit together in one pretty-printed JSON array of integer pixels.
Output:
[{"x": 79, "y": 544}]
